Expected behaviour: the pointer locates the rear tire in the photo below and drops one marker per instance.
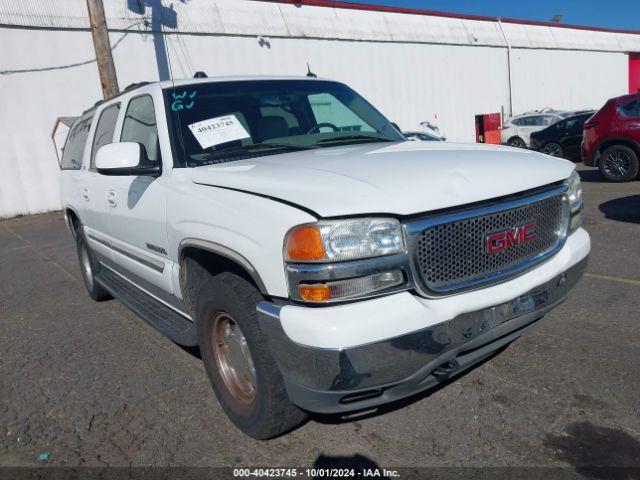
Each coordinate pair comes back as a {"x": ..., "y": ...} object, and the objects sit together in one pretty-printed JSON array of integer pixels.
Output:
[
  {"x": 89, "y": 267},
  {"x": 516, "y": 142},
  {"x": 619, "y": 163},
  {"x": 553, "y": 149},
  {"x": 238, "y": 361}
]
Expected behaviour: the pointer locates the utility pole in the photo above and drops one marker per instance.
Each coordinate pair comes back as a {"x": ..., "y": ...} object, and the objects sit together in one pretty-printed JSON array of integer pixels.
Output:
[{"x": 106, "y": 68}]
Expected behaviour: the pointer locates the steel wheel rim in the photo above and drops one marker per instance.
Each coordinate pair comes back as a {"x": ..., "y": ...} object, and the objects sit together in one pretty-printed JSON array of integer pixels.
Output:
[
  {"x": 86, "y": 266},
  {"x": 233, "y": 358},
  {"x": 552, "y": 149},
  {"x": 617, "y": 163}
]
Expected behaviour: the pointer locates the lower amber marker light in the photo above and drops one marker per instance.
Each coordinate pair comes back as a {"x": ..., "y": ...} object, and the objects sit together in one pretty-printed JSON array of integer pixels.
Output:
[{"x": 315, "y": 293}]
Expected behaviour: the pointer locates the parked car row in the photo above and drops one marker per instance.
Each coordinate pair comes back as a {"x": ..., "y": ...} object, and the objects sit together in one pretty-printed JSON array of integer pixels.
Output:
[
  {"x": 608, "y": 138},
  {"x": 516, "y": 131}
]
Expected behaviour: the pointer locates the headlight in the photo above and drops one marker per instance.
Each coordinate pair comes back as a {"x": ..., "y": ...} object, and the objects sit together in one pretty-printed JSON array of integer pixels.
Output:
[
  {"x": 574, "y": 192},
  {"x": 574, "y": 195},
  {"x": 340, "y": 240}
]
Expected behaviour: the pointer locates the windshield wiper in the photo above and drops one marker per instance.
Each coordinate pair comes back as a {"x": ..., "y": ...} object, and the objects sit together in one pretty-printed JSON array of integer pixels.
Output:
[
  {"x": 235, "y": 152},
  {"x": 356, "y": 137},
  {"x": 290, "y": 146}
]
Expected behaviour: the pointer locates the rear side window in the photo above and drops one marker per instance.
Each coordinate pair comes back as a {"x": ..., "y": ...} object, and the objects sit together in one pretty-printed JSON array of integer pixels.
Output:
[
  {"x": 528, "y": 121},
  {"x": 104, "y": 130},
  {"x": 579, "y": 122},
  {"x": 140, "y": 126},
  {"x": 630, "y": 109},
  {"x": 75, "y": 143},
  {"x": 574, "y": 124}
]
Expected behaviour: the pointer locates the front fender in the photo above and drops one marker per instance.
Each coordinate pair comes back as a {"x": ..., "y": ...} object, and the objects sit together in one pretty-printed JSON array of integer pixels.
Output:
[{"x": 248, "y": 229}]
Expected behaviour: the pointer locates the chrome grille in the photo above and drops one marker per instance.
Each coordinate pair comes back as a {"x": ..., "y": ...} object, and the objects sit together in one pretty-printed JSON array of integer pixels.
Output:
[{"x": 452, "y": 255}]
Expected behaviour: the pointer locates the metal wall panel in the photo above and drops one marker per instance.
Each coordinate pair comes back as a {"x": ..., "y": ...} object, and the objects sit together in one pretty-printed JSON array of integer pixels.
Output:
[
  {"x": 414, "y": 68},
  {"x": 565, "y": 79},
  {"x": 241, "y": 17}
]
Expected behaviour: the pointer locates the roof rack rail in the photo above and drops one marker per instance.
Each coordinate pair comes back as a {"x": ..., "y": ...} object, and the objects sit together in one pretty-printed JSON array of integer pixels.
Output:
[
  {"x": 94, "y": 106},
  {"x": 133, "y": 86},
  {"x": 128, "y": 88}
]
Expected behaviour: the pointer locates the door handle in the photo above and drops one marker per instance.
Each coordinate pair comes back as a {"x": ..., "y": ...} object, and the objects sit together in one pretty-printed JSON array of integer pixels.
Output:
[
  {"x": 634, "y": 126},
  {"x": 84, "y": 193},
  {"x": 112, "y": 198}
]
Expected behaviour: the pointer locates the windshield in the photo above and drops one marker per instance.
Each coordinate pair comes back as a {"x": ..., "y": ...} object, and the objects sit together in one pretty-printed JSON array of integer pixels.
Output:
[{"x": 225, "y": 121}]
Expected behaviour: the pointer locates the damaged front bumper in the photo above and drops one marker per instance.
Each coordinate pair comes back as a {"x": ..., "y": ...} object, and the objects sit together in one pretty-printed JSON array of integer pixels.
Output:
[{"x": 328, "y": 380}]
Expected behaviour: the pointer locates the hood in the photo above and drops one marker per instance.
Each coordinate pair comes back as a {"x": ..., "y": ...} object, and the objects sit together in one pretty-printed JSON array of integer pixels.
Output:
[{"x": 399, "y": 178}]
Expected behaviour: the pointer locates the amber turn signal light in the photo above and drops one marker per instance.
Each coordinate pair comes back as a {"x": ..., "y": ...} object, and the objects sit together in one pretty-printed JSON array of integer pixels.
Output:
[
  {"x": 315, "y": 293},
  {"x": 305, "y": 244}
]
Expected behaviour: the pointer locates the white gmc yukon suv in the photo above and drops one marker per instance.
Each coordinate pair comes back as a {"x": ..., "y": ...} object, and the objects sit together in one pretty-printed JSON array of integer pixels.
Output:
[{"x": 320, "y": 262}]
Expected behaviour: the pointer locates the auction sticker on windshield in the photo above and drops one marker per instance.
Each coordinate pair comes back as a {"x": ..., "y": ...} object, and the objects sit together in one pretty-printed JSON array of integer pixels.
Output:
[{"x": 215, "y": 131}]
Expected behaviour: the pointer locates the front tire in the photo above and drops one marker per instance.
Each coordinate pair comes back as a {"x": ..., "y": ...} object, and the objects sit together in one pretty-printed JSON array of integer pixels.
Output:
[
  {"x": 553, "y": 149},
  {"x": 619, "y": 163},
  {"x": 516, "y": 142},
  {"x": 238, "y": 361}
]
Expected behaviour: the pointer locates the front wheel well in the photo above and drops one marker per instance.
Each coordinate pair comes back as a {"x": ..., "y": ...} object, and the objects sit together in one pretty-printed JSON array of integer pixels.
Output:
[
  {"x": 198, "y": 264},
  {"x": 73, "y": 221}
]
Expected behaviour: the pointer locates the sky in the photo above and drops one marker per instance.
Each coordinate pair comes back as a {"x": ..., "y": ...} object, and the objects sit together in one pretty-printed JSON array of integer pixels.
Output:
[{"x": 619, "y": 14}]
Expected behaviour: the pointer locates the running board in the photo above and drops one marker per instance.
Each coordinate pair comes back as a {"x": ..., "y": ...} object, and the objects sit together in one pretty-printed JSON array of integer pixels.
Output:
[{"x": 167, "y": 321}]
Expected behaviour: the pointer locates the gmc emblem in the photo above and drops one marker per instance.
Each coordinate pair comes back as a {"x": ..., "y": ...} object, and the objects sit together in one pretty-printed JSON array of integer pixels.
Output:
[{"x": 501, "y": 241}]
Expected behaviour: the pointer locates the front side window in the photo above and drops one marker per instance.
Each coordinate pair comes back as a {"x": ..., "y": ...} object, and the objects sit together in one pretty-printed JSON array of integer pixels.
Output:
[
  {"x": 224, "y": 121},
  {"x": 561, "y": 125},
  {"x": 104, "y": 130},
  {"x": 140, "y": 126},
  {"x": 75, "y": 144}
]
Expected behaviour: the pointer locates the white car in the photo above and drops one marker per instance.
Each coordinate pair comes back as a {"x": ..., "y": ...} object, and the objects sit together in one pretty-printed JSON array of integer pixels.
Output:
[
  {"x": 516, "y": 132},
  {"x": 422, "y": 137},
  {"x": 432, "y": 129},
  {"x": 320, "y": 262}
]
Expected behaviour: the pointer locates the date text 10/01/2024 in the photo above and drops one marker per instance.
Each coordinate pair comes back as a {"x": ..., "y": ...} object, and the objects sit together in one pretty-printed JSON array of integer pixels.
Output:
[{"x": 315, "y": 472}]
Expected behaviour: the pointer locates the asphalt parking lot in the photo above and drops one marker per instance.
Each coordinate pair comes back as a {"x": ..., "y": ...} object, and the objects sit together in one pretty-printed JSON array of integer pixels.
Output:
[{"x": 91, "y": 384}]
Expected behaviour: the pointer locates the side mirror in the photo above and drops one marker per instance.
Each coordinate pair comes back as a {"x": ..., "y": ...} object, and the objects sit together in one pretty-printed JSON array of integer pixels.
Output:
[
  {"x": 396, "y": 126},
  {"x": 125, "y": 159}
]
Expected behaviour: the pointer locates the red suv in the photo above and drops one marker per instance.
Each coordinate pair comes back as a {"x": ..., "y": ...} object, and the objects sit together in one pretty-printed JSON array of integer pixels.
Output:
[{"x": 611, "y": 139}]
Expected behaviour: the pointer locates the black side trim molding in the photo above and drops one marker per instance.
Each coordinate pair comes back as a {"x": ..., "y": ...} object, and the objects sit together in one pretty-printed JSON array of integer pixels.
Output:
[{"x": 153, "y": 264}]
